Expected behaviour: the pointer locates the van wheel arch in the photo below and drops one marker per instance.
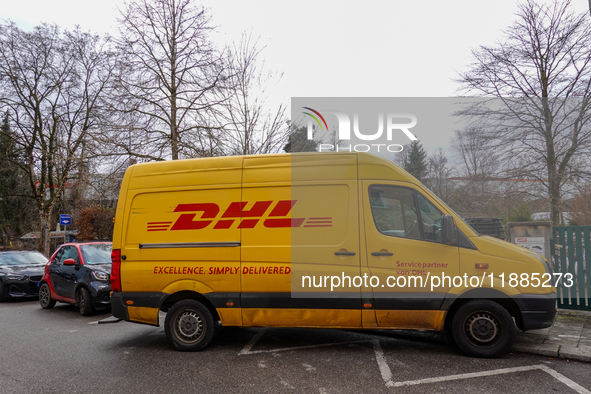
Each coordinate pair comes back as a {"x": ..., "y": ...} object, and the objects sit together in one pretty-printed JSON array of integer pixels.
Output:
[
  {"x": 484, "y": 294},
  {"x": 483, "y": 328},
  {"x": 188, "y": 295}
]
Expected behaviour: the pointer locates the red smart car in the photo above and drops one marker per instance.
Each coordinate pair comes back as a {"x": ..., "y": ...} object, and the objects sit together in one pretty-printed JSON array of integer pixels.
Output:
[{"x": 78, "y": 273}]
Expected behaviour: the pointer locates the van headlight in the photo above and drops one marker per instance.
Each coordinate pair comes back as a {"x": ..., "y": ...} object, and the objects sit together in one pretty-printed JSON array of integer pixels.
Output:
[
  {"x": 547, "y": 265},
  {"x": 100, "y": 275}
]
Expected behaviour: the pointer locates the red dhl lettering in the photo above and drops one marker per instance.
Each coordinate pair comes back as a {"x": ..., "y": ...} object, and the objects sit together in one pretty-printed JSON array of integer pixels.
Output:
[
  {"x": 236, "y": 213},
  {"x": 223, "y": 270},
  {"x": 266, "y": 270},
  {"x": 179, "y": 270}
]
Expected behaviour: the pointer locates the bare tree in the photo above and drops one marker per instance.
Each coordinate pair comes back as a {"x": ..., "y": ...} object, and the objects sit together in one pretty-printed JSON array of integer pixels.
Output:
[
  {"x": 540, "y": 75},
  {"x": 250, "y": 126},
  {"x": 580, "y": 207},
  {"x": 51, "y": 85},
  {"x": 168, "y": 75},
  {"x": 438, "y": 175},
  {"x": 477, "y": 153}
]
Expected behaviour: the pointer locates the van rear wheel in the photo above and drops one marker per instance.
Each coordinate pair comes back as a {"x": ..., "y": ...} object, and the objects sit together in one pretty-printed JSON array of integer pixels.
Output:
[
  {"x": 189, "y": 325},
  {"x": 483, "y": 328}
]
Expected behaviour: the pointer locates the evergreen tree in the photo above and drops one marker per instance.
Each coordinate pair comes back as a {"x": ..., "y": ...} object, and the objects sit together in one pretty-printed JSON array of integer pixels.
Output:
[
  {"x": 416, "y": 163},
  {"x": 299, "y": 142},
  {"x": 14, "y": 205}
]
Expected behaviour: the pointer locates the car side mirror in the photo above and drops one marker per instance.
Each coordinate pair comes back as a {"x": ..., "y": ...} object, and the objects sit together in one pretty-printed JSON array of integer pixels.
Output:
[
  {"x": 69, "y": 262},
  {"x": 448, "y": 230}
]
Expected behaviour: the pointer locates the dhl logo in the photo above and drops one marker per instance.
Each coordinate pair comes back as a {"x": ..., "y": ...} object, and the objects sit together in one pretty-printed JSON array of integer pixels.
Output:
[{"x": 236, "y": 212}]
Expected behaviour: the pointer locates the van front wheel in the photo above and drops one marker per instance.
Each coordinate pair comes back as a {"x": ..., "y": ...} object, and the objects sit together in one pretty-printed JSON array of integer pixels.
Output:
[
  {"x": 189, "y": 325},
  {"x": 483, "y": 328}
]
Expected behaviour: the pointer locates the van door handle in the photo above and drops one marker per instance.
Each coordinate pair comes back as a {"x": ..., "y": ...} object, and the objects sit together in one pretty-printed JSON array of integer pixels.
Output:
[
  {"x": 382, "y": 254},
  {"x": 344, "y": 253}
]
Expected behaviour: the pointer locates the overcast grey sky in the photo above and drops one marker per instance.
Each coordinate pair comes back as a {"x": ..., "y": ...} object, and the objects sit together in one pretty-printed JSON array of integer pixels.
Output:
[{"x": 330, "y": 48}]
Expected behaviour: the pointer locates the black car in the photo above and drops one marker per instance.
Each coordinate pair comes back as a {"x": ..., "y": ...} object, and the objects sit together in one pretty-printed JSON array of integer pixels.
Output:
[
  {"x": 20, "y": 273},
  {"x": 79, "y": 274}
]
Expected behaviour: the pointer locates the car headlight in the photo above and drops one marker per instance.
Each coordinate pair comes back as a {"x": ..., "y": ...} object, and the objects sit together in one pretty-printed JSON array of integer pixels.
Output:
[
  {"x": 16, "y": 276},
  {"x": 100, "y": 275}
]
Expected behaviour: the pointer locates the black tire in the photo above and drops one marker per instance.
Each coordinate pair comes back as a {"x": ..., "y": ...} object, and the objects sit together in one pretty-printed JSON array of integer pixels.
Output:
[
  {"x": 45, "y": 297},
  {"x": 84, "y": 302},
  {"x": 483, "y": 328},
  {"x": 2, "y": 292},
  {"x": 189, "y": 325}
]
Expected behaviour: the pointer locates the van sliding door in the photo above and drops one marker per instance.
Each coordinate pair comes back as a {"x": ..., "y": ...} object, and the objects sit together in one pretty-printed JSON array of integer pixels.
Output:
[{"x": 304, "y": 226}]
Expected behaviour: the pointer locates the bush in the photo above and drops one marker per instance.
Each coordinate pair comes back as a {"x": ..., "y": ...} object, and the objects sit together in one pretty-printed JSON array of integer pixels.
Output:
[
  {"x": 96, "y": 223},
  {"x": 521, "y": 212}
]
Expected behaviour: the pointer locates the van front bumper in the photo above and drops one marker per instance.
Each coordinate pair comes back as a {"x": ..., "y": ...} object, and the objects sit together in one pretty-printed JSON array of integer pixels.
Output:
[{"x": 537, "y": 311}]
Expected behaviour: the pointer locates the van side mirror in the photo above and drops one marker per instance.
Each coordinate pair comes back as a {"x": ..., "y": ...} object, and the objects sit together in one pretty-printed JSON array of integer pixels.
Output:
[{"x": 448, "y": 230}]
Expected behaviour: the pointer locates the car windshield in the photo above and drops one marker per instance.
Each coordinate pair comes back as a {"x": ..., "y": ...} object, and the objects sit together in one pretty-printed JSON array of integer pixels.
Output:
[
  {"x": 96, "y": 253},
  {"x": 22, "y": 258}
]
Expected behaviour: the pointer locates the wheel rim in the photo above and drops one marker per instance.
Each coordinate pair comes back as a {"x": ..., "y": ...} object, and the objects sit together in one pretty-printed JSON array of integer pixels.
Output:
[
  {"x": 81, "y": 301},
  {"x": 482, "y": 328},
  {"x": 44, "y": 295},
  {"x": 189, "y": 326}
]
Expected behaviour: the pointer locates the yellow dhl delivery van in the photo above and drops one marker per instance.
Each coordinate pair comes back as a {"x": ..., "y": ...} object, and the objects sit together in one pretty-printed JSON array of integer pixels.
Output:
[{"x": 333, "y": 240}]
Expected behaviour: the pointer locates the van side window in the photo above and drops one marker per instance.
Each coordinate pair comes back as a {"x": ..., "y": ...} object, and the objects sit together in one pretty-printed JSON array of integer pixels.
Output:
[
  {"x": 431, "y": 218},
  {"x": 394, "y": 212}
]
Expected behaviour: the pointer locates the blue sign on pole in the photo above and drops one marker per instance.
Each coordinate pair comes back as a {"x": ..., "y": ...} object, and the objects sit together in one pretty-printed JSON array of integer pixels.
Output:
[{"x": 65, "y": 220}]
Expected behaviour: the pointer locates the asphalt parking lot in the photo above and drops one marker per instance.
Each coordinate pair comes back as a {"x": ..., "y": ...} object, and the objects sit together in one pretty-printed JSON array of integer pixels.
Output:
[{"x": 58, "y": 350}]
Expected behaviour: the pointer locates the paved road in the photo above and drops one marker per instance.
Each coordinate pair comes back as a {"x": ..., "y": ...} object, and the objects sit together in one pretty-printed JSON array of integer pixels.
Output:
[{"x": 57, "y": 351}]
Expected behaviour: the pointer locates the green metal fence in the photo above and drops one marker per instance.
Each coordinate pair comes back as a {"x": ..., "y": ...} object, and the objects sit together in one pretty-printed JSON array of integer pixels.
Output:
[{"x": 572, "y": 255}]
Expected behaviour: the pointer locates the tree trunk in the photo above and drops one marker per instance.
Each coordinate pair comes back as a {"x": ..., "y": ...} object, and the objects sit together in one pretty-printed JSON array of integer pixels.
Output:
[{"x": 45, "y": 229}]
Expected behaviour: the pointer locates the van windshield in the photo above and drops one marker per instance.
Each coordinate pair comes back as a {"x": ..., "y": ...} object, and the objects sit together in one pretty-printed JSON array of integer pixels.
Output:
[{"x": 448, "y": 207}]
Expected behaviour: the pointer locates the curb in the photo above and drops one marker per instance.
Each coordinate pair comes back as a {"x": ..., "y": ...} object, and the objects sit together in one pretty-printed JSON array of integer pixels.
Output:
[{"x": 558, "y": 351}]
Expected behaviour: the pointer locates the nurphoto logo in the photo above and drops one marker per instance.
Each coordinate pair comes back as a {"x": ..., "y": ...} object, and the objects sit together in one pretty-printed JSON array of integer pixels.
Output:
[{"x": 391, "y": 123}]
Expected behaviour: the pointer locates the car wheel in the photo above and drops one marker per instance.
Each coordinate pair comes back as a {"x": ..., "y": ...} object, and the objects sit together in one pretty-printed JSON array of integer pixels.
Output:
[
  {"x": 84, "y": 302},
  {"x": 189, "y": 325},
  {"x": 2, "y": 292},
  {"x": 45, "y": 297},
  {"x": 483, "y": 328}
]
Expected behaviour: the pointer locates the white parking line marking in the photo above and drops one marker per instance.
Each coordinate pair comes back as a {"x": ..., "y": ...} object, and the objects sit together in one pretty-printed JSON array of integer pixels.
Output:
[
  {"x": 253, "y": 340},
  {"x": 575, "y": 386},
  {"x": 259, "y": 334},
  {"x": 382, "y": 364},
  {"x": 578, "y": 388},
  {"x": 284, "y": 349},
  {"x": 463, "y": 376},
  {"x": 386, "y": 372}
]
